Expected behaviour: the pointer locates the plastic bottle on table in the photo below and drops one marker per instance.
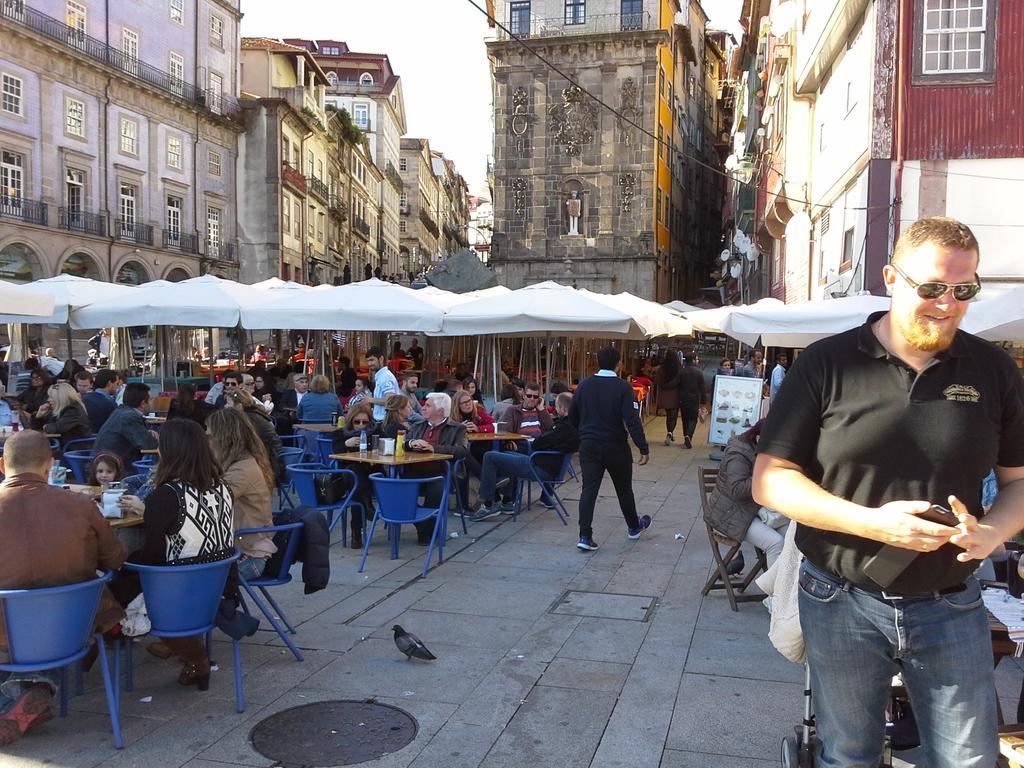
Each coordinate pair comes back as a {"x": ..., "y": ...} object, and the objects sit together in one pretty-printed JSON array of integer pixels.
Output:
[
  {"x": 400, "y": 444},
  {"x": 362, "y": 443}
]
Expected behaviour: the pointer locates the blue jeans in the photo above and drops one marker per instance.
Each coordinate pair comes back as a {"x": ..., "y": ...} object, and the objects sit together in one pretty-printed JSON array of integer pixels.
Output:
[
  {"x": 251, "y": 568},
  {"x": 856, "y": 642},
  {"x": 506, "y": 464},
  {"x": 13, "y": 684}
]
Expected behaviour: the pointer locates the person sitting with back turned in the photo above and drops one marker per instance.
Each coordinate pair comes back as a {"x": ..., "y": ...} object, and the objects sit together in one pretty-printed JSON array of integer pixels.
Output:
[
  {"x": 320, "y": 404},
  {"x": 48, "y": 537},
  {"x": 125, "y": 433}
]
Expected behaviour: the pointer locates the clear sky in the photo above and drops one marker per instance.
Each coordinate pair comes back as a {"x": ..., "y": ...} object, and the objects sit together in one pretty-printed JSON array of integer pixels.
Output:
[{"x": 436, "y": 47}]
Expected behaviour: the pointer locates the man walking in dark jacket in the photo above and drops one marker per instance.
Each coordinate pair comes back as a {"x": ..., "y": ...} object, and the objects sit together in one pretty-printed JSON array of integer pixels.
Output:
[
  {"x": 692, "y": 396},
  {"x": 603, "y": 409}
]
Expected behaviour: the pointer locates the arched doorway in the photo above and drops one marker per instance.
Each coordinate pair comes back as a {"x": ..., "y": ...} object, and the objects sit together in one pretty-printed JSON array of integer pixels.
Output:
[
  {"x": 176, "y": 275},
  {"x": 81, "y": 264},
  {"x": 19, "y": 263},
  {"x": 132, "y": 273}
]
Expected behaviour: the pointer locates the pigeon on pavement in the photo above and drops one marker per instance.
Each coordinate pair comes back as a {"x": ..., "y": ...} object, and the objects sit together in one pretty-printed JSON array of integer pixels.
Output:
[{"x": 411, "y": 645}]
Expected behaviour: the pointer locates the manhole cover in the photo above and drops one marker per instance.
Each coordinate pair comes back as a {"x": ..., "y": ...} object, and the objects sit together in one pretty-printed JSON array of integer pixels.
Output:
[
  {"x": 333, "y": 733},
  {"x": 605, "y": 605}
]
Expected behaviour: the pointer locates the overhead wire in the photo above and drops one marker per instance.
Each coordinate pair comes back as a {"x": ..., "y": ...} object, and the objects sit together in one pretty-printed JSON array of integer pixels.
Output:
[{"x": 671, "y": 147}]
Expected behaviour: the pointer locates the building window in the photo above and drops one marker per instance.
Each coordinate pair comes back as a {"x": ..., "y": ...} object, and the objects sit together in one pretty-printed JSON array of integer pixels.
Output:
[
  {"x": 847, "y": 263},
  {"x": 403, "y": 226},
  {"x": 129, "y": 136},
  {"x": 632, "y": 14},
  {"x": 126, "y": 208},
  {"x": 285, "y": 149},
  {"x": 310, "y": 232},
  {"x": 74, "y": 117},
  {"x": 176, "y": 69},
  {"x": 130, "y": 49},
  {"x": 216, "y": 90},
  {"x": 12, "y": 184},
  {"x": 286, "y": 214},
  {"x": 213, "y": 163},
  {"x": 403, "y": 201},
  {"x": 178, "y": 11},
  {"x": 320, "y": 217},
  {"x": 403, "y": 164},
  {"x": 174, "y": 152},
  {"x": 332, "y": 79},
  {"x": 217, "y": 32},
  {"x": 366, "y": 79},
  {"x": 297, "y": 220},
  {"x": 575, "y": 11},
  {"x": 309, "y": 160},
  {"x": 12, "y": 92},
  {"x": 74, "y": 193},
  {"x": 361, "y": 116},
  {"x": 173, "y": 219},
  {"x": 955, "y": 36},
  {"x": 212, "y": 230},
  {"x": 75, "y": 16},
  {"x": 519, "y": 18}
]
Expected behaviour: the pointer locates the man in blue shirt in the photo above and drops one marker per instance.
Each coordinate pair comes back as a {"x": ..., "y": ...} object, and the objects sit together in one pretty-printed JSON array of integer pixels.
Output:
[
  {"x": 384, "y": 382},
  {"x": 603, "y": 409},
  {"x": 100, "y": 403},
  {"x": 778, "y": 373}
]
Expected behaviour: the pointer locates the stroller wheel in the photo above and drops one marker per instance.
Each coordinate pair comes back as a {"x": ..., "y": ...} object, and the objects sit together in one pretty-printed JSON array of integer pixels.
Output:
[{"x": 790, "y": 752}]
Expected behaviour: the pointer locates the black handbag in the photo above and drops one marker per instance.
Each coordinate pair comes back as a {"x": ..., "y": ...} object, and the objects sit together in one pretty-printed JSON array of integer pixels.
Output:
[{"x": 331, "y": 489}]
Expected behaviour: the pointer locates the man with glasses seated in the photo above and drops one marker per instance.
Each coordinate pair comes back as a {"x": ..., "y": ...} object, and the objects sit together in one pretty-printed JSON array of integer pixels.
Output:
[
  {"x": 231, "y": 383},
  {"x": 530, "y": 418}
]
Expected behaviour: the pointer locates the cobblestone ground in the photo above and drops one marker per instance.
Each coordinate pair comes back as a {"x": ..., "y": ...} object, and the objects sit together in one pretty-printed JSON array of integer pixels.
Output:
[{"x": 527, "y": 673}]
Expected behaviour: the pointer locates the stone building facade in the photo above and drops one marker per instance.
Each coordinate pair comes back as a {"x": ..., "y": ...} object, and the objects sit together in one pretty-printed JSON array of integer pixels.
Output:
[
  {"x": 118, "y": 143},
  {"x": 555, "y": 145},
  {"x": 419, "y": 226}
]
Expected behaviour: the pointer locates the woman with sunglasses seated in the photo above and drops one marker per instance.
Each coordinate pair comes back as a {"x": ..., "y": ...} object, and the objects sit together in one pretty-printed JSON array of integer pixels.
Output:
[{"x": 358, "y": 420}]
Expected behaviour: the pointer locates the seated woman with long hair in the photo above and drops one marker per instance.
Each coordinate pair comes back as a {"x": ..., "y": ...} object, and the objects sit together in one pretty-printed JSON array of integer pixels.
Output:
[
  {"x": 359, "y": 419},
  {"x": 63, "y": 414},
  {"x": 264, "y": 426},
  {"x": 185, "y": 405},
  {"x": 188, "y": 519},
  {"x": 396, "y": 416},
  {"x": 474, "y": 418},
  {"x": 241, "y": 455}
]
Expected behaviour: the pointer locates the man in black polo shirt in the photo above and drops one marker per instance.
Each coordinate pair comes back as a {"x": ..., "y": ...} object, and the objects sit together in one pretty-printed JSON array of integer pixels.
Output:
[{"x": 869, "y": 429}]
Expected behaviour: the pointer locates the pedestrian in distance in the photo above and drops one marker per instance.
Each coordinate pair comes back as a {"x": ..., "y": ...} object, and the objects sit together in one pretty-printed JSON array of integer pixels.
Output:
[
  {"x": 871, "y": 434},
  {"x": 666, "y": 379},
  {"x": 604, "y": 410},
  {"x": 693, "y": 396}
]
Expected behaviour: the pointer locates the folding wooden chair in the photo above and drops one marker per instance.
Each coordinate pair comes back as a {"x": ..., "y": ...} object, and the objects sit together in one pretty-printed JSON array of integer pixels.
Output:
[{"x": 720, "y": 578}]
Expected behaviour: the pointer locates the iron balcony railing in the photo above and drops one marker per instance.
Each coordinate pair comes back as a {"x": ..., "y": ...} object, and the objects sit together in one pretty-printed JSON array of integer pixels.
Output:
[
  {"x": 22, "y": 209},
  {"x": 181, "y": 241},
  {"x": 134, "y": 232},
  {"x": 318, "y": 188},
  {"x": 577, "y": 24},
  {"x": 361, "y": 226},
  {"x": 19, "y": 12},
  {"x": 226, "y": 250},
  {"x": 80, "y": 221},
  {"x": 338, "y": 207}
]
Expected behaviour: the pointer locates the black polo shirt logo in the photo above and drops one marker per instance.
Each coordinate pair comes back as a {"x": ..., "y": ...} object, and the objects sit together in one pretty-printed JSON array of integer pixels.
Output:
[{"x": 962, "y": 393}]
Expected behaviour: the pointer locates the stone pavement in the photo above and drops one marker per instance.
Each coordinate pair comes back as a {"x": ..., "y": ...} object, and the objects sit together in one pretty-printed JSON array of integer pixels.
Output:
[{"x": 527, "y": 674}]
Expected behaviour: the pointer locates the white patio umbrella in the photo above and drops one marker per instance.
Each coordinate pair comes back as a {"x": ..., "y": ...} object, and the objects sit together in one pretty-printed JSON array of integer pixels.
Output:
[
  {"x": 547, "y": 307},
  {"x": 654, "y": 318},
  {"x": 681, "y": 307},
  {"x": 67, "y": 292},
  {"x": 200, "y": 302},
  {"x": 801, "y": 324},
  {"x": 369, "y": 305},
  {"x": 23, "y": 304},
  {"x": 997, "y": 319}
]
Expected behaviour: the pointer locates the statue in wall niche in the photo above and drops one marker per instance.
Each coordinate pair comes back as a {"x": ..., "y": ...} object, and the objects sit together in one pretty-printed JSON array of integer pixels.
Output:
[{"x": 574, "y": 207}]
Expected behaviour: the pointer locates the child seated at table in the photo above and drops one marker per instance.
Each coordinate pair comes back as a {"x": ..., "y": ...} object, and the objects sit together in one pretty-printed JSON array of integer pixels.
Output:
[{"x": 105, "y": 469}]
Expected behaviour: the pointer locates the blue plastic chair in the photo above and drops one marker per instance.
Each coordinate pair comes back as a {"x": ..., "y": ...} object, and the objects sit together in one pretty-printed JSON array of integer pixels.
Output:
[
  {"x": 78, "y": 462},
  {"x": 182, "y": 601},
  {"x": 79, "y": 444},
  {"x": 52, "y": 628},
  {"x": 288, "y": 457},
  {"x": 292, "y": 441},
  {"x": 460, "y": 502},
  {"x": 324, "y": 449},
  {"x": 291, "y": 549},
  {"x": 302, "y": 476},
  {"x": 547, "y": 485},
  {"x": 398, "y": 504},
  {"x": 143, "y": 468}
]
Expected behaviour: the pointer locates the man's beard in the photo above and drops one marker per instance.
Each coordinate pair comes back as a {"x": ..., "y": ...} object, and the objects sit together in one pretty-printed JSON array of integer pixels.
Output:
[{"x": 923, "y": 335}]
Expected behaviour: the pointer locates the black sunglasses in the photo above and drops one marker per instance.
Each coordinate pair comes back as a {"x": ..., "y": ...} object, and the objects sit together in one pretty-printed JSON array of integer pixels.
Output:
[
  {"x": 931, "y": 291},
  {"x": 360, "y": 423}
]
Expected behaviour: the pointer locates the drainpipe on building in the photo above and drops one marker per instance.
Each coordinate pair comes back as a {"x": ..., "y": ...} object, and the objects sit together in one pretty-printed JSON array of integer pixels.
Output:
[
  {"x": 104, "y": 189},
  {"x": 902, "y": 50},
  {"x": 195, "y": 189}
]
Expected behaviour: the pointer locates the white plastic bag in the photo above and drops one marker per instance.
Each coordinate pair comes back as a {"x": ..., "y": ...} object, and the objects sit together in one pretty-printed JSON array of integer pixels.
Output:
[
  {"x": 784, "y": 632},
  {"x": 136, "y": 621}
]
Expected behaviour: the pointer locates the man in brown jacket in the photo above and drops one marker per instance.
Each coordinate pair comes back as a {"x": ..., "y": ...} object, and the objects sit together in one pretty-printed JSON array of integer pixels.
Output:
[{"x": 48, "y": 537}]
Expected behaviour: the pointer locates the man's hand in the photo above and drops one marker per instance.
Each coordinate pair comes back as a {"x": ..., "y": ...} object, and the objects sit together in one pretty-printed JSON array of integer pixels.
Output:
[
  {"x": 155, "y": 434},
  {"x": 43, "y": 410},
  {"x": 421, "y": 445},
  {"x": 897, "y": 523},
  {"x": 977, "y": 539},
  {"x": 644, "y": 458},
  {"x": 131, "y": 504},
  {"x": 470, "y": 426}
]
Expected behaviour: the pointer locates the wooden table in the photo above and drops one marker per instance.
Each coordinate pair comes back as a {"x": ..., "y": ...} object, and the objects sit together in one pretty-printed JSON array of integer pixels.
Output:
[
  {"x": 497, "y": 438},
  {"x": 156, "y": 420},
  {"x": 393, "y": 463},
  {"x": 93, "y": 491},
  {"x": 317, "y": 427},
  {"x": 128, "y": 521},
  {"x": 149, "y": 451}
]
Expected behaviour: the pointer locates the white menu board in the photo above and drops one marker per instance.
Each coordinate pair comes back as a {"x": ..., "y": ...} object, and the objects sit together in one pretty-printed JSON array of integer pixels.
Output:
[{"x": 736, "y": 407}]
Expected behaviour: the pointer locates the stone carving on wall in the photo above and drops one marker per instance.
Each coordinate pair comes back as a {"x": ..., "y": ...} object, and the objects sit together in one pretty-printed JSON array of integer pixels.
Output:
[
  {"x": 521, "y": 119},
  {"x": 573, "y": 208},
  {"x": 629, "y": 109},
  {"x": 573, "y": 122},
  {"x": 519, "y": 196},
  {"x": 627, "y": 188}
]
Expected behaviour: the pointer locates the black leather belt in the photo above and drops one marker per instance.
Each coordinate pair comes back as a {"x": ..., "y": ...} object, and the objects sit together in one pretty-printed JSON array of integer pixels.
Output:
[{"x": 884, "y": 595}]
